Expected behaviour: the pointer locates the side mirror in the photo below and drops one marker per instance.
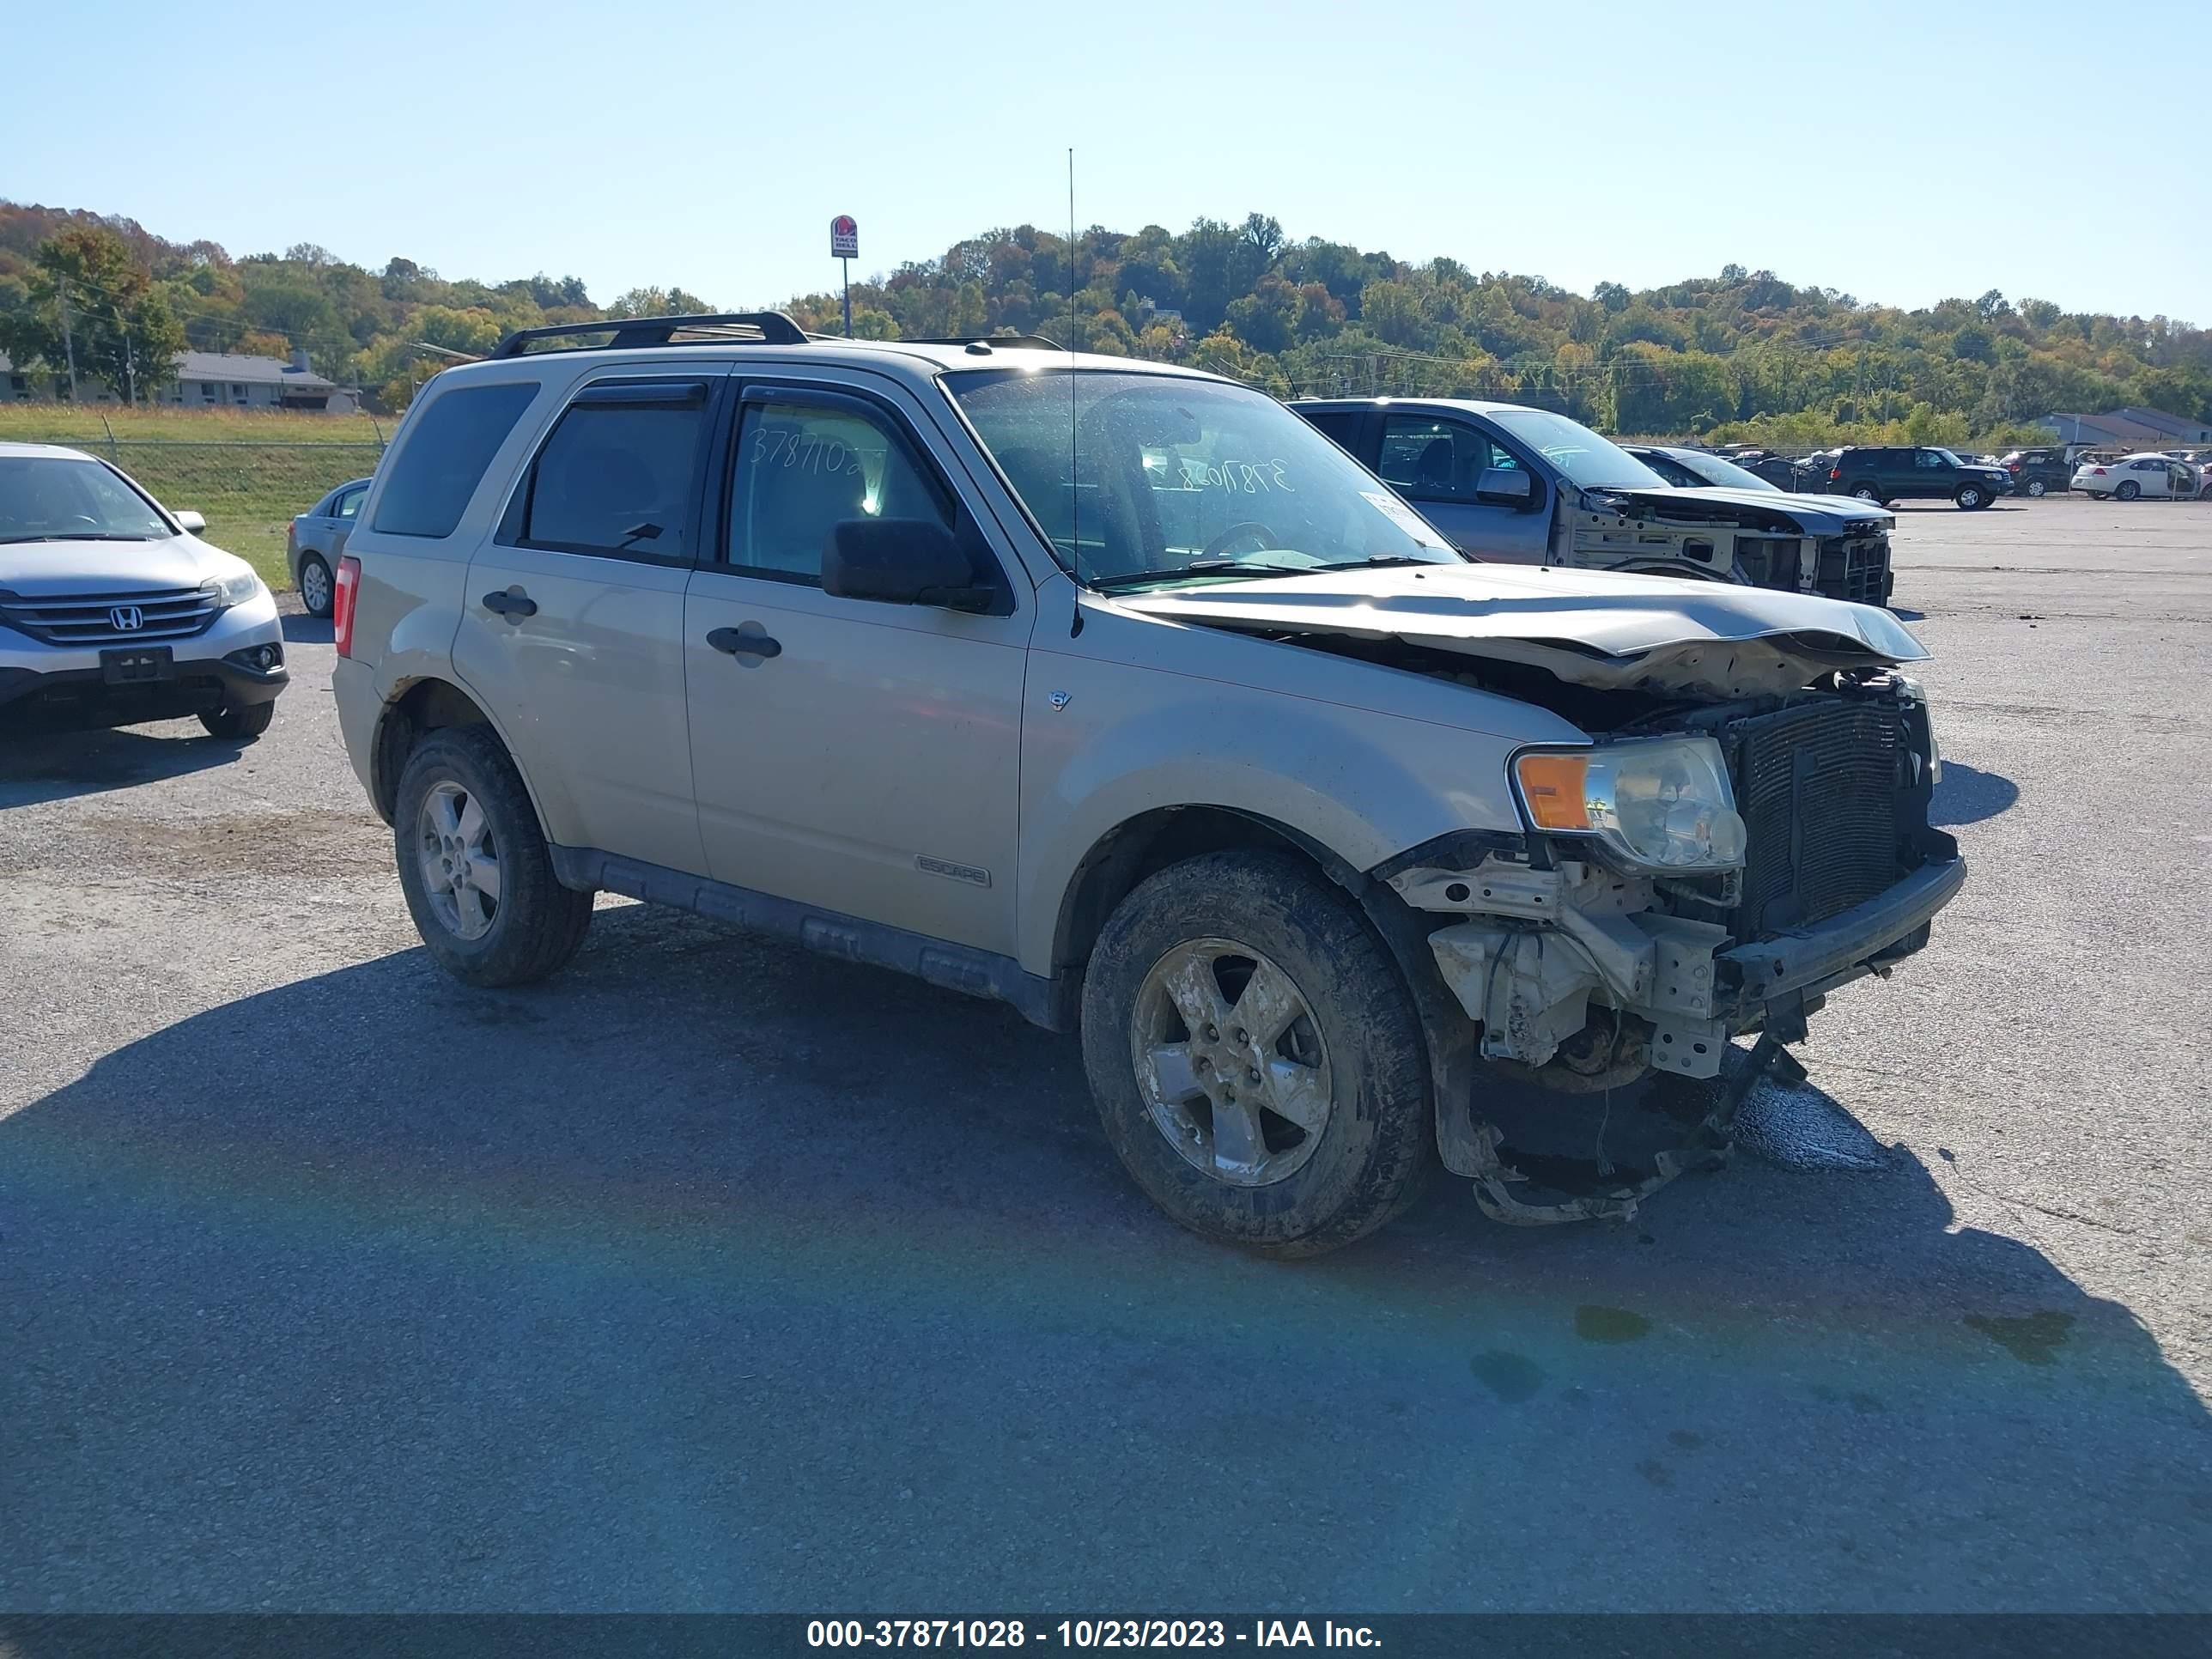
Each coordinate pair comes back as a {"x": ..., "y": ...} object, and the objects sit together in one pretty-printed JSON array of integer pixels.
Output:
[
  {"x": 900, "y": 562},
  {"x": 191, "y": 521},
  {"x": 1505, "y": 486}
]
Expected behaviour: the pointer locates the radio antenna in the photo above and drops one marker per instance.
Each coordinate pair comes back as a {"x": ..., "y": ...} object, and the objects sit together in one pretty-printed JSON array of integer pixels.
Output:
[{"x": 1074, "y": 422}]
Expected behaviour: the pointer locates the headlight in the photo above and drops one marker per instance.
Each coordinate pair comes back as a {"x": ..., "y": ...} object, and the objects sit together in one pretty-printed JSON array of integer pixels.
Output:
[
  {"x": 1661, "y": 804},
  {"x": 234, "y": 590}
]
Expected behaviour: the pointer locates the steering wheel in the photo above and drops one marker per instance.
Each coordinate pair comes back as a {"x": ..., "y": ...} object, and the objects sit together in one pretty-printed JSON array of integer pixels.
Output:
[{"x": 1213, "y": 549}]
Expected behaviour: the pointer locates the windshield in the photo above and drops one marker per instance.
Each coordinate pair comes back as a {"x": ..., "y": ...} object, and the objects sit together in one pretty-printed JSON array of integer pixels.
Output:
[
  {"x": 1593, "y": 462},
  {"x": 63, "y": 498},
  {"x": 1177, "y": 478},
  {"x": 1726, "y": 475}
]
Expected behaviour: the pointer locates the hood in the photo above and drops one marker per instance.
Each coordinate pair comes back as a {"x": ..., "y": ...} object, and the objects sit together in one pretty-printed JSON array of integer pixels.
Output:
[
  {"x": 33, "y": 568},
  {"x": 1661, "y": 633},
  {"x": 1747, "y": 509}
]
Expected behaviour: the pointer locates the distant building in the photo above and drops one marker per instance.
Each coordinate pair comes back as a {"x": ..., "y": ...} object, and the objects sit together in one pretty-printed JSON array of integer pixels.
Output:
[
  {"x": 205, "y": 379},
  {"x": 2129, "y": 428}
]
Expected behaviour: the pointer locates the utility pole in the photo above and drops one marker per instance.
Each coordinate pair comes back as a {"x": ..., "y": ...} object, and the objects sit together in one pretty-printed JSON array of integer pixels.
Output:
[
  {"x": 129, "y": 362},
  {"x": 69, "y": 345}
]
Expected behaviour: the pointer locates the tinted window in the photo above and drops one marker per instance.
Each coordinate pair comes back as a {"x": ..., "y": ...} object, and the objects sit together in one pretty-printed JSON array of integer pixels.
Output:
[
  {"x": 803, "y": 467},
  {"x": 617, "y": 477},
  {"x": 1339, "y": 428},
  {"x": 1435, "y": 460},
  {"x": 443, "y": 460}
]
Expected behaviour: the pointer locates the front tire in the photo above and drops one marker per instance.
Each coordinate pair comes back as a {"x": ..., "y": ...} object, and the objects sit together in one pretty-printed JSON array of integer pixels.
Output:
[
  {"x": 239, "y": 724},
  {"x": 2128, "y": 490},
  {"x": 318, "y": 592},
  {"x": 1257, "y": 1061},
  {"x": 474, "y": 865},
  {"x": 1971, "y": 497}
]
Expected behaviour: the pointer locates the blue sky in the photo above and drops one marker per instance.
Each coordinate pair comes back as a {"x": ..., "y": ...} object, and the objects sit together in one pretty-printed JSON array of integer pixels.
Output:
[{"x": 708, "y": 145}]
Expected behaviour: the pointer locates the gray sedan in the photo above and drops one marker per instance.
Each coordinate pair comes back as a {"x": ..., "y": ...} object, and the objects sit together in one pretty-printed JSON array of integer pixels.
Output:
[{"x": 315, "y": 540}]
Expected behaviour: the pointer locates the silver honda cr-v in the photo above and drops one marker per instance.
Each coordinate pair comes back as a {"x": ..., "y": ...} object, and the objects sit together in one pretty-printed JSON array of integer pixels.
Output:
[{"x": 112, "y": 610}]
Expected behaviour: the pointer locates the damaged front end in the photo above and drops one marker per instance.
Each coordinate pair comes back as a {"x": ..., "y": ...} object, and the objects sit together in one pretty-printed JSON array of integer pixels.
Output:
[
  {"x": 1773, "y": 542},
  {"x": 1673, "y": 892}
]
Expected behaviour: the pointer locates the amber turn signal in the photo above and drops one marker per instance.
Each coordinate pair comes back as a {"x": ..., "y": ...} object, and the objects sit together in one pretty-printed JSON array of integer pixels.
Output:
[{"x": 1553, "y": 788}]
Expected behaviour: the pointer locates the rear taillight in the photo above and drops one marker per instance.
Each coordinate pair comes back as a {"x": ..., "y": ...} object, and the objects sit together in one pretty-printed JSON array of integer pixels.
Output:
[
  {"x": 349, "y": 590},
  {"x": 2015, "y": 466},
  {"x": 1835, "y": 473},
  {"x": 2098, "y": 471}
]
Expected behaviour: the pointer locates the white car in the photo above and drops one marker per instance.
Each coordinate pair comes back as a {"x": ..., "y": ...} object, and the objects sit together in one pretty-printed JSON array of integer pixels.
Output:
[
  {"x": 112, "y": 610},
  {"x": 2133, "y": 476}
]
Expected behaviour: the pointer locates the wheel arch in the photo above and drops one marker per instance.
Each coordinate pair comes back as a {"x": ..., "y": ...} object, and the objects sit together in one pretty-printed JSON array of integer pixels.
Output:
[{"x": 423, "y": 706}]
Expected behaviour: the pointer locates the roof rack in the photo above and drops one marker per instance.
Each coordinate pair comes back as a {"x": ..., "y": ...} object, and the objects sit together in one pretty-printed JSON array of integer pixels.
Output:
[
  {"x": 1026, "y": 341},
  {"x": 731, "y": 327}
]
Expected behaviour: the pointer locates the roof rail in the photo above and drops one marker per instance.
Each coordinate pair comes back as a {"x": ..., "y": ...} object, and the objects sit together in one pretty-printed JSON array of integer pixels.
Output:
[
  {"x": 1028, "y": 342},
  {"x": 731, "y": 327}
]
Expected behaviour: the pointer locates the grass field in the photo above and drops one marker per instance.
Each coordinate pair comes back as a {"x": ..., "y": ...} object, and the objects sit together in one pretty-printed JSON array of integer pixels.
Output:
[{"x": 248, "y": 470}]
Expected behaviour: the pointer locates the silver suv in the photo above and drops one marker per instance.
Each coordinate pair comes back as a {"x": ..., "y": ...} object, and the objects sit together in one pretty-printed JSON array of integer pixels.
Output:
[
  {"x": 1117, "y": 692},
  {"x": 112, "y": 610}
]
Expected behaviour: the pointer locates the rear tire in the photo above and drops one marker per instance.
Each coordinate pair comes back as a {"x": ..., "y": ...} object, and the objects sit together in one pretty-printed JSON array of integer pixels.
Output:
[
  {"x": 1866, "y": 492},
  {"x": 2129, "y": 489},
  {"x": 239, "y": 723},
  {"x": 2036, "y": 487},
  {"x": 1257, "y": 941},
  {"x": 318, "y": 592},
  {"x": 474, "y": 865}
]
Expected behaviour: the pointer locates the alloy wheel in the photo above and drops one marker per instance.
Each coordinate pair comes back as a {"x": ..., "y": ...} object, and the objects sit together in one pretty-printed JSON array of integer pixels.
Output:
[
  {"x": 1230, "y": 1062},
  {"x": 459, "y": 860},
  {"x": 315, "y": 586}
]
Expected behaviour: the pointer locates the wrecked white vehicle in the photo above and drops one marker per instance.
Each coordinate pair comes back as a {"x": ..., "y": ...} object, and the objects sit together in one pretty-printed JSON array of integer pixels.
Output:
[
  {"x": 1118, "y": 693},
  {"x": 1505, "y": 482}
]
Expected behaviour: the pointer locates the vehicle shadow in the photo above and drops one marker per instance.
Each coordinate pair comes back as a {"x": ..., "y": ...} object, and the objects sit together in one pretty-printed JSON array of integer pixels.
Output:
[
  {"x": 714, "y": 1275},
  {"x": 1966, "y": 795},
  {"x": 300, "y": 628},
  {"x": 44, "y": 766}
]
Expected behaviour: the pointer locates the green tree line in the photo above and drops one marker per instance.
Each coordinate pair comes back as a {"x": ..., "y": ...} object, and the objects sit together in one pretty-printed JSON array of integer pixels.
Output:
[{"x": 1744, "y": 354}]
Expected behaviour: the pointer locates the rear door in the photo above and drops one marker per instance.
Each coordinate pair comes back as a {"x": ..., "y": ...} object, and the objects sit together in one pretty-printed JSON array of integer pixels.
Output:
[
  {"x": 1437, "y": 462},
  {"x": 857, "y": 756},
  {"x": 573, "y": 613}
]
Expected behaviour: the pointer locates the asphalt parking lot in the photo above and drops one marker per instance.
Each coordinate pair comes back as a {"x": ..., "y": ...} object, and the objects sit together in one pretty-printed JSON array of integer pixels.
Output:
[{"x": 711, "y": 1275}]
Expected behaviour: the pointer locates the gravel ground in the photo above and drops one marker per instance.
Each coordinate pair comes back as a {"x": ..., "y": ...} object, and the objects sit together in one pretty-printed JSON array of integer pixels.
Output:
[{"x": 711, "y": 1275}]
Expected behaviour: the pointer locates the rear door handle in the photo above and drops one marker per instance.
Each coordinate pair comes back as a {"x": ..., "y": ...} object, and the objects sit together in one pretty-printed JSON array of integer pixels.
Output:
[
  {"x": 511, "y": 603},
  {"x": 739, "y": 644}
]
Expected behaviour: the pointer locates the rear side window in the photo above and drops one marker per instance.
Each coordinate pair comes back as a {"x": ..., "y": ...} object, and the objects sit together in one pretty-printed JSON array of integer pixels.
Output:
[
  {"x": 618, "y": 473},
  {"x": 1340, "y": 429},
  {"x": 443, "y": 460}
]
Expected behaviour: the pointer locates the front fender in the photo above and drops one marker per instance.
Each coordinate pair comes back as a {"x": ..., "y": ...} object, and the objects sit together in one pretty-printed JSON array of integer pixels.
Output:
[{"x": 1138, "y": 715}]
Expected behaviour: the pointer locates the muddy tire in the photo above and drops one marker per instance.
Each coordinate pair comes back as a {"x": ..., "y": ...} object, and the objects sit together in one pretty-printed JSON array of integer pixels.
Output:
[
  {"x": 474, "y": 867},
  {"x": 2129, "y": 489},
  {"x": 241, "y": 723},
  {"x": 1252, "y": 972}
]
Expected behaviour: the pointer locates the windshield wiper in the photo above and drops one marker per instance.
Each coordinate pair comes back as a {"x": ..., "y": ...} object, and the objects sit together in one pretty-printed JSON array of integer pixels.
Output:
[
  {"x": 1202, "y": 568},
  {"x": 1376, "y": 561},
  {"x": 78, "y": 535}
]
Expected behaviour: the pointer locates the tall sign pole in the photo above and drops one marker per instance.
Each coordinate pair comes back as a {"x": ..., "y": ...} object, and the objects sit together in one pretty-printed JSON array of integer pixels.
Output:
[{"x": 844, "y": 248}]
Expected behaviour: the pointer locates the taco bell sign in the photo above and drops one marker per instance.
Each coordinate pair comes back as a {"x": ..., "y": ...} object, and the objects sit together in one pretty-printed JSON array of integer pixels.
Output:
[{"x": 844, "y": 237}]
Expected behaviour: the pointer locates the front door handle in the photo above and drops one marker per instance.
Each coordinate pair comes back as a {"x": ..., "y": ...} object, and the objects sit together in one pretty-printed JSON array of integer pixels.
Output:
[
  {"x": 739, "y": 643},
  {"x": 513, "y": 603}
]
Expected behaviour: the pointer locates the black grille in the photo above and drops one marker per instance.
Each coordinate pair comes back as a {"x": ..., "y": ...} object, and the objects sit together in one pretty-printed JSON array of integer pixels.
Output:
[
  {"x": 1855, "y": 569},
  {"x": 1822, "y": 795},
  {"x": 161, "y": 613}
]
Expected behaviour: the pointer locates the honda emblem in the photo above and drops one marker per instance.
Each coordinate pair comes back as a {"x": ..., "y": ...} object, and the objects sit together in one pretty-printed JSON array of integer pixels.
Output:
[{"x": 127, "y": 618}]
